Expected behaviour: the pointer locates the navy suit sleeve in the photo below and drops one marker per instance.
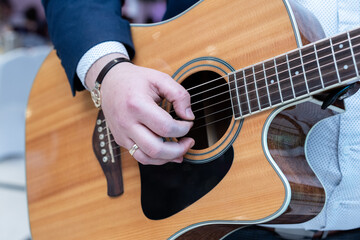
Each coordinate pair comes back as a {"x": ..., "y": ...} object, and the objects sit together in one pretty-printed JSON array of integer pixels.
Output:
[{"x": 76, "y": 26}]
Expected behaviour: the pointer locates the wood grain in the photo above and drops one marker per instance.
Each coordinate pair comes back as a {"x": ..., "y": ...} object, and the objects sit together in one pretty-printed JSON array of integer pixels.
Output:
[{"x": 286, "y": 142}]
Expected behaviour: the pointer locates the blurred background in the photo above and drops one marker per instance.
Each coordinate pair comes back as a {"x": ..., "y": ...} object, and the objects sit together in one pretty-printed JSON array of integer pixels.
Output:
[{"x": 24, "y": 44}]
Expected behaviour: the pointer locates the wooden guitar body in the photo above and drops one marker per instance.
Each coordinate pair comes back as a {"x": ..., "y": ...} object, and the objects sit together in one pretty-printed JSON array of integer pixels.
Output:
[{"x": 256, "y": 181}]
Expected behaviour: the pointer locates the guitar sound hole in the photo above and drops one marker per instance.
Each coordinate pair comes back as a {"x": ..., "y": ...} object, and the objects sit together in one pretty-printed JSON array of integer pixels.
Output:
[{"x": 210, "y": 102}]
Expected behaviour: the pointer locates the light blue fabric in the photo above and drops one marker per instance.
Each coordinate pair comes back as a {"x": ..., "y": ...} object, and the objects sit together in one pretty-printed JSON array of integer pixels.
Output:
[
  {"x": 333, "y": 151},
  {"x": 333, "y": 146},
  {"x": 336, "y": 16}
]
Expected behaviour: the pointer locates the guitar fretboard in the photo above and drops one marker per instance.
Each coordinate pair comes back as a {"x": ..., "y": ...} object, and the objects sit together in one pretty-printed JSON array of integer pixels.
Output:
[{"x": 303, "y": 72}]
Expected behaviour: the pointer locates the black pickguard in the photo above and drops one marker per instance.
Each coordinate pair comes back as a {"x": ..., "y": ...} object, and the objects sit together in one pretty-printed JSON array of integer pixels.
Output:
[{"x": 170, "y": 188}]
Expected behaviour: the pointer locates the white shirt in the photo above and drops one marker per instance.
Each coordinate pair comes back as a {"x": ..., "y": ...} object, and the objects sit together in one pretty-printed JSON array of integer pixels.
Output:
[{"x": 333, "y": 147}]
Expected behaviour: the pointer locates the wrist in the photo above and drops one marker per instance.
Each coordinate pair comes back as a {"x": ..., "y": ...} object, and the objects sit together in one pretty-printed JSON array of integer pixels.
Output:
[
  {"x": 95, "y": 53},
  {"x": 95, "y": 92},
  {"x": 96, "y": 68}
]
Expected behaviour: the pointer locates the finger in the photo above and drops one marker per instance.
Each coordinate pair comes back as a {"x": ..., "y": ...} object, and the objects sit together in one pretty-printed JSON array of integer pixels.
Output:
[
  {"x": 154, "y": 146},
  {"x": 160, "y": 122},
  {"x": 176, "y": 94},
  {"x": 141, "y": 157}
]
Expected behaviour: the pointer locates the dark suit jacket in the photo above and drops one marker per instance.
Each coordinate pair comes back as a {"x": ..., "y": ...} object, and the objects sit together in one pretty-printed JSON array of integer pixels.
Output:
[{"x": 76, "y": 26}]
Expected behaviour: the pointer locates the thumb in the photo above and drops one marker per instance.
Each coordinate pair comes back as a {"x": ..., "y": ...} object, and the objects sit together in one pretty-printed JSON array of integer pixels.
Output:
[{"x": 169, "y": 89}]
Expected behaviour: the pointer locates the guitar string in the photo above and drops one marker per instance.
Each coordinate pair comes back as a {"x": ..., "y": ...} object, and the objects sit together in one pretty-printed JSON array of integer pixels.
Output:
[
  {"x": 232, "y": 115},
  {"x": 261, "y": 105},
  {"x": 295, "y": 59},
  {"x": 286, "y": 88},
  {"x": 198, "y": 127},
  {"x": 213, "y": 122},
  {"x": 265, "y": 96},
  {"x": 270, "y": 76},
  {"x": 280, "y": 81},
  {"x": 260, "y": 96}
]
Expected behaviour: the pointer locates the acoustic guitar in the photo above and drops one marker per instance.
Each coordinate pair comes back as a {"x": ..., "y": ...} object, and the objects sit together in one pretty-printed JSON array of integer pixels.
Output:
[{"x": 256, "y": 92}]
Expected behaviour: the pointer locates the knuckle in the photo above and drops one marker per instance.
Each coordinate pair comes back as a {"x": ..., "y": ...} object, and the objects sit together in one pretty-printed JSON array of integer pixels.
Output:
[
  {"x": 165, "y": 129},
  {"x": 184, "y": 95},
  {"x": 158, "y": 76},
  {"x": 123, "y": 124},
  {"x": 133, "y": 105},
  {"x": 154, "y": 152},
  {"x": 120, "y": 122},
  {"x": 179, "y": 92},
  {"x": 165, "y": 75}
]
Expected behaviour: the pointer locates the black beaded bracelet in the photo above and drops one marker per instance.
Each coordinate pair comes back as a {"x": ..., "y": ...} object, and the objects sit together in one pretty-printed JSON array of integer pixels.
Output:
[{"x": 95, "y": 92}]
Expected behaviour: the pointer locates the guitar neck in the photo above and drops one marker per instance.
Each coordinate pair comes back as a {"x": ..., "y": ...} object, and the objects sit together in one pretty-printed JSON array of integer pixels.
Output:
[{"x": 295, "y": 75}]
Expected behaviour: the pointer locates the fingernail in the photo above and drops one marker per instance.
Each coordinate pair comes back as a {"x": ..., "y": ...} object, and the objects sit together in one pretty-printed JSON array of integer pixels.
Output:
[{"x": 189, "y": 113}]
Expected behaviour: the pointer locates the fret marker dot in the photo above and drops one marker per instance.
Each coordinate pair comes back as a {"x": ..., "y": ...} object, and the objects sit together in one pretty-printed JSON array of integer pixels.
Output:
[
  {"x": 341, "y": 46},
  {"x": 272, "y": 81},
  {"x": 297, "y": 73},
  {"x": 346, "y": 67}
]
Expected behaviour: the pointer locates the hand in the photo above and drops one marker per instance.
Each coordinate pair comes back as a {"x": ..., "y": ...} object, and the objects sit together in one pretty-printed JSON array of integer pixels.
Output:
[{"x": 130, "y": 97}]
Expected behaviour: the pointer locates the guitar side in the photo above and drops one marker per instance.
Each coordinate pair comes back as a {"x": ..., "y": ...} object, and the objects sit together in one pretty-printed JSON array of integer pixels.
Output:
[{"x": 66, "y": 187}]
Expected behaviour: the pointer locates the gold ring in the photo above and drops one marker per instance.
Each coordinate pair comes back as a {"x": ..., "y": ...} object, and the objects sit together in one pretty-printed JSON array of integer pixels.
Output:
[{"x": 133, "y": 149}]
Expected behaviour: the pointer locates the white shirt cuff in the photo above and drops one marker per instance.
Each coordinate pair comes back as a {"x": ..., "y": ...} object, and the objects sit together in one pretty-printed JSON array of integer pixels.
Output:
[{"x": 96, "y": 52}]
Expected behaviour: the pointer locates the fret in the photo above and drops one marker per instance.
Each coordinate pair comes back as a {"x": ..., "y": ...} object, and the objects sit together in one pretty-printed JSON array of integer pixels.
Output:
[
  {"x": 267, "y": 87},
  {"x": 239, "y": 76},
  {"x": 296, "y": 73},
  {"x": 333, "y": 54},
  {"x": 355, "y": 42},
  {"x": 256, "y": 89},
  {"x": 344, "y": 61},
  {"x": 234, "y": 96},
  {"x": 277, "y": 79},
  {"x": 286, "y": 86},
  {"x": 246, "y": 90},
  {"x": 252, "y": 93},
  {"x": 272, "y": 82},
  {"x": 311, "y": 69},
  {"x": 291, "y": 81},
  {"x": 318, "y": 66},
  {"x": 326, "y": 62},
  {"x": 261, "y": 86},
  {"x": 352, "y": 54},
  {"x": 302, "y": 65}
]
